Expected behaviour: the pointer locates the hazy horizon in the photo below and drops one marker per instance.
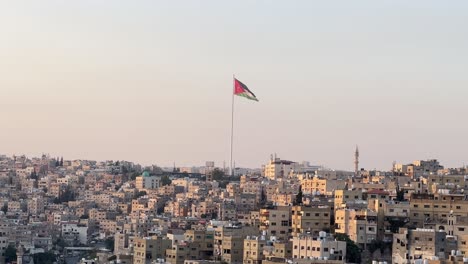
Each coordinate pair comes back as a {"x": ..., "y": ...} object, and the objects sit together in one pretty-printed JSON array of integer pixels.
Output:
[{"x": 151, "y": 81}]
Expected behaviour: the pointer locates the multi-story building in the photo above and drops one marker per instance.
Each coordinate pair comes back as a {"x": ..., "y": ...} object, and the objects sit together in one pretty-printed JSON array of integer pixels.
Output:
[
  {"x": 147, "y": 182},
  {"x": 253, "y": 250},
  {"x": 426, "y": 208},
  {"x": 276, "y": 221},
  {"x": 323, "y": 246},
  {"x": 202, "y": 241},
  {"x": 343, "y": 196},
  {"x": 456, "y": 226},
  {"x": 360, "y": 225},
  {"x": 76, "y": 233},
  {"x": 149, "y": 249},
  {"x": 310, "y": 219},
  {"x": 410, "y": 245},
  {"x": 178, "y": 253},
  {"x": 229, "y": 242},
  {"x": 36, "y": 206},
  {"x": 277, "y": 168}
]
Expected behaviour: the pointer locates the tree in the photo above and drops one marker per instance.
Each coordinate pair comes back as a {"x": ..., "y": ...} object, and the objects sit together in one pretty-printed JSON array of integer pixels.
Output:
[
  {"x": 139, "y": 194},
  {"x": 299, "y": 195},
  {"x": 84, "y": 216},
  {"x": 66, "y": 196},
  {"x": 33, "y": 175},
  {"x": 218, "y": 174},
  {"x": 400, "y": 194},
  {"x": 396, "y": 223},
  {"x": 4, "y": 208},
  {"x": 45, "y": 258},
  {"x": 60, "y": 243},
  {"x": 353, "y": 252},
  {"x": 10, "y": 253},
  {"x": 378, "y": 245},
  {"x": 110, "y": 243},
  {"x": 134, "y": 174},
  {"x": 165, "y": 180},
  {"x": 263, "y": 197},
  {"x": 61, "y": 162}
]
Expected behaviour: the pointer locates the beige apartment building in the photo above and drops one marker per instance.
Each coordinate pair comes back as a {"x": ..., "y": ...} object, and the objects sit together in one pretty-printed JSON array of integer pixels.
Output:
[
  {"x": 324, "y": 246},
  {"x": 276, "y": 222},
  {"x": 147, "y": 182},
  {"x": 456, "y": 226},
  {"x": 456, "y": 181},
  {"x": 317, "y": 185},
  {"x": 310, "y": 219},
  {"x": 253, "y": 250},
  {"x": 411, "y": 246},
  {"x": 229, "y": 242},
  {"x": 277, "y": 168},
  {"x": 343, "y": 196},
  {"x": 202, "y": 241},
  {"x": 178, "y": 253},
  {"x": 360, "y": 225},
  {"x": 426, "y": 207},
  {"x": 148, "y": 249}
]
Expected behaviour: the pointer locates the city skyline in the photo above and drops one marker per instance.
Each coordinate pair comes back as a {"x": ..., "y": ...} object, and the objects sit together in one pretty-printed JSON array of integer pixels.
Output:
[{"x": 136, "y": 81}]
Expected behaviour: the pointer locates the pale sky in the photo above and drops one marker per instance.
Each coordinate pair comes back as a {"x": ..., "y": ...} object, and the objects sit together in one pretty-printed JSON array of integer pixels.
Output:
[{"x": 151, "y": 81}]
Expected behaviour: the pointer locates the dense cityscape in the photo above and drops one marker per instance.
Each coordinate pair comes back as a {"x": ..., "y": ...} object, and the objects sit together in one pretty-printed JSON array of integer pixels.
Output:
[{"x": 55, "y": 210}]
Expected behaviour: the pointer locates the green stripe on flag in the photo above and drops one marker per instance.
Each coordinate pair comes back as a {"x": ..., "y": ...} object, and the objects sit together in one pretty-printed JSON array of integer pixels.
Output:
[{"x": 246, "y": 95}]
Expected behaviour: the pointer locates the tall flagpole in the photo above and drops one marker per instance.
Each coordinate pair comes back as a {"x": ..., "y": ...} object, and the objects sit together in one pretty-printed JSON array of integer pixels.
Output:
[{"x": 232, "y": 121}]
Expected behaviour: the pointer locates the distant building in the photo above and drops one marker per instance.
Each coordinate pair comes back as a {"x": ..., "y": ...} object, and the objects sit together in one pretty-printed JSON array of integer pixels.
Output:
[
  {"x": 147, "y": 182},
  {"x": 409, "y": 245},
  {"x": 278, "y": 168},
  {"x": 323, "y": 246}
]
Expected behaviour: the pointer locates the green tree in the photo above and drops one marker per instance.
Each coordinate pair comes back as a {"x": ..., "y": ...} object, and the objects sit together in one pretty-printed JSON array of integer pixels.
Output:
[
  {"x": 165, "y": 180},
  {"x": 66, "y": 196},
  {"x": 353, "y": 252},
  {"x": 395, "y": 224},
  {"x": 299, "y": 196},
  {"x": 110, "y": 243},
  {"x": 134, "y": 174},
  {"x": 263, "y": 197},
  {"x": 218, "y": 174},
  {"x": 139, "y": 194},
  {"x": 60, "y": 242},
  {"x": 378, "y": 245},
  {"x": 85, "y": 216},
  {"x": 400, "y": 195},
  {"x": 33, "y": 175},
  {"x": 45, "y": 258},
  {"x": 5, "y": 208},
  {"x": 10, "y": 253}
]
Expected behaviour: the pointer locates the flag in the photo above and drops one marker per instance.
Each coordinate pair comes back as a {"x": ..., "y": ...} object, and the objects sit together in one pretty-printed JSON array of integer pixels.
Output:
[{"x": 242, "y": 90}]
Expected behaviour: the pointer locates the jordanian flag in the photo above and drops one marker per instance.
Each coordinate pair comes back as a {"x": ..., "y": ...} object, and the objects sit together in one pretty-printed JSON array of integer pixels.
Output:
[{"x": 242, "y": 90}]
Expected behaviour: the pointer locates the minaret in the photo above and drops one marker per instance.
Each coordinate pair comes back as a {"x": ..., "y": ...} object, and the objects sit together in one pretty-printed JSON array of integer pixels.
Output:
[{"x": 356, "y": 161}]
